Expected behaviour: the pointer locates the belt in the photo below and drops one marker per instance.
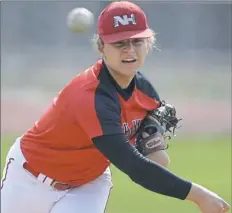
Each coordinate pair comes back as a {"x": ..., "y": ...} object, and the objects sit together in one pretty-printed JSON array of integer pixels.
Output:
[{"x": 53, "y": 183}]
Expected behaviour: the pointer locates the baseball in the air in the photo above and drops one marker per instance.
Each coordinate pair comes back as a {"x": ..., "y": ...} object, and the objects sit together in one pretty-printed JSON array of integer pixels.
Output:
[{"x": 80, "y": 20}]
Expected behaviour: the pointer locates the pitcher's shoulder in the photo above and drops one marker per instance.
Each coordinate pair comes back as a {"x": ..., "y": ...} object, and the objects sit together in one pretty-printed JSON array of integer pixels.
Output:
[{"x": 89, "y": 76}]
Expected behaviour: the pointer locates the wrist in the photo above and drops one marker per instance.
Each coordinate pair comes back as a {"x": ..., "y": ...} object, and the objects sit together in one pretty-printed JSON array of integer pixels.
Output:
[{"x": 196, "y": 193}]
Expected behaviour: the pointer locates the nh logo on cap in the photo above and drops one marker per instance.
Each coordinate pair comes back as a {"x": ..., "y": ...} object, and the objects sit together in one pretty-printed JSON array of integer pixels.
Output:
[{"x": 124, "y": 20}]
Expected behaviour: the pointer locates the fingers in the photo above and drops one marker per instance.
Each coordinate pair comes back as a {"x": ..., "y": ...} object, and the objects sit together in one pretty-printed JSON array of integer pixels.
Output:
[{"x": 226, "y": 207}]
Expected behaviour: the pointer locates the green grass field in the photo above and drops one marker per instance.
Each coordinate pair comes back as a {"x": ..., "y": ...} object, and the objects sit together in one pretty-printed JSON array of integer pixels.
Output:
[{"x": 206, "y": 161}]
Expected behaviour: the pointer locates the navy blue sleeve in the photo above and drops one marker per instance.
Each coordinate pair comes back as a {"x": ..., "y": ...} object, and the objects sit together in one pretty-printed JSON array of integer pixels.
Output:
[
  {"x": 108, "y": 110},
  {"x": 118, "y": 149}
]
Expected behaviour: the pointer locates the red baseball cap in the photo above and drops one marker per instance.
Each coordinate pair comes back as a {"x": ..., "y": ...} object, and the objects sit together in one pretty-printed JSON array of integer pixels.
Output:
[{"x": 122, "y": 20}]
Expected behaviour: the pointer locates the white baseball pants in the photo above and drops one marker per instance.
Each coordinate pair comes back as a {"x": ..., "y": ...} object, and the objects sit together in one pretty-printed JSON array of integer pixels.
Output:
[{"x": 21, "y": 192}]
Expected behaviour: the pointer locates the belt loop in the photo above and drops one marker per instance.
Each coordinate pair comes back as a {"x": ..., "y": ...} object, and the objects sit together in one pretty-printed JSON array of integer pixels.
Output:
[
  {"x": 41, "y": 177},
  {"x": 45, "y": 179},
  {"x": 48, "y": 181}
]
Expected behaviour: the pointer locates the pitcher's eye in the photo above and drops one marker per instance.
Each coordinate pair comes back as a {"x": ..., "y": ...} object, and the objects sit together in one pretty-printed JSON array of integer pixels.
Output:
[
  {"x": 119, "y": 44},
  {"x": 135, "y": 42},
  {"x": 138, "y": 41}
]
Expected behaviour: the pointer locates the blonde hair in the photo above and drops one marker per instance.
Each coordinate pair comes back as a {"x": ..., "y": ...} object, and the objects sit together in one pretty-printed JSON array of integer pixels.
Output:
[{"x": 98, "y": 42}]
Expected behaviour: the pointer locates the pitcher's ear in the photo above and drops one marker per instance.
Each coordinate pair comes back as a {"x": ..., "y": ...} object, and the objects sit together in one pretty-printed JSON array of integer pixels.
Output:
[{"x": 98, "y": 43}]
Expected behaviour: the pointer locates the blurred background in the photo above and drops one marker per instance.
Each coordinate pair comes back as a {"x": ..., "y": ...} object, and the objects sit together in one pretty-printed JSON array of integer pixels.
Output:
[{"x": 190, "y": 68}]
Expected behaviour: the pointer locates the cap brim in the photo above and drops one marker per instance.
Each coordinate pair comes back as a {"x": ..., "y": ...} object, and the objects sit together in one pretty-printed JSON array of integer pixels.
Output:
[{"x": 112, "y": 38}]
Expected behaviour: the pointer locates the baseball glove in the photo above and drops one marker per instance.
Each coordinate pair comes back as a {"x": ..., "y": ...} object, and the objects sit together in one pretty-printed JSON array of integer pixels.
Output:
[{"x": 153, "y": 132}]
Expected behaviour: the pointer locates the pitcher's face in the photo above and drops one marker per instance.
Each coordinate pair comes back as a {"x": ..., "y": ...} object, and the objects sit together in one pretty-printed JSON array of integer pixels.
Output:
[{"x": 127, "y": 56}]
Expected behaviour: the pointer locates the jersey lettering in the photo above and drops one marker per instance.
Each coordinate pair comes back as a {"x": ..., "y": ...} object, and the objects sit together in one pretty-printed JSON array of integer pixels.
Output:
[{"x": 130, "y": 130}]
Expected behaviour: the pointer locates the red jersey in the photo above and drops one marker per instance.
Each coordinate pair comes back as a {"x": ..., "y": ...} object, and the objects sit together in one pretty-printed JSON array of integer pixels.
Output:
[{"x": 60, "y": 145}]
